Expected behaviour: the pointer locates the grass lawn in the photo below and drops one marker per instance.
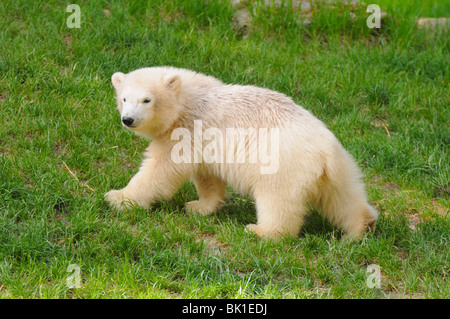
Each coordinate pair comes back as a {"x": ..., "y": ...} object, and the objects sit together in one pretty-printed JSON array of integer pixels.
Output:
[{"x": 384, "y": 93}]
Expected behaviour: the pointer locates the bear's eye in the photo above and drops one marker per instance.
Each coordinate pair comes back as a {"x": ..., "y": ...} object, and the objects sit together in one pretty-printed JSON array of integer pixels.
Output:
[
  {"x": 124, "y": 100},
  {"x": 147, "y": 101}
]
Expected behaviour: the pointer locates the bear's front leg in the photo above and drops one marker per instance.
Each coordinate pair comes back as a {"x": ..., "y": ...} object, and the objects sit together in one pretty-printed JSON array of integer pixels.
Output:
[
  {"x": 211, "y": 191},
  {"x": 115, "y": 198},
  {"x": 155, "y": 180}
]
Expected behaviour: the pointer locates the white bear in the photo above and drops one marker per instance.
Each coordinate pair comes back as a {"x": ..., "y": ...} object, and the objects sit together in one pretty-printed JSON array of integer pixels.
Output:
[{"x": 195, "y": 123}]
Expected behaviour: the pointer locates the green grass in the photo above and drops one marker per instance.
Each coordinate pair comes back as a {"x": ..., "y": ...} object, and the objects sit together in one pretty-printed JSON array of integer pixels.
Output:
[{"x": 384, "y": 93}]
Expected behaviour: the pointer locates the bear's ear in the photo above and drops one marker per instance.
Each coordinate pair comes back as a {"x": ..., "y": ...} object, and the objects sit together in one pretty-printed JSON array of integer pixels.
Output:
[
  {"x": 172, "y": 81},
  {"x": 117, "y": 79}
]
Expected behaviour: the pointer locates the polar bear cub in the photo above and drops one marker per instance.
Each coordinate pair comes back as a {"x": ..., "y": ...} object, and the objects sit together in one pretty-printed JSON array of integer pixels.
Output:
[{"x": 256, "y": 140}]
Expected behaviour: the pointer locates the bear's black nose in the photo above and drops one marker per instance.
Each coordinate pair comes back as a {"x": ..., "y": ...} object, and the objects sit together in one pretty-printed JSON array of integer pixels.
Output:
[{"x": 128, "y": 121}]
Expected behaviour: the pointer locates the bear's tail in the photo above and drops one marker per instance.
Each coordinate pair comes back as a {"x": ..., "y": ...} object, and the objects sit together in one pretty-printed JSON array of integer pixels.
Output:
[{"x": 342, "y": 195}]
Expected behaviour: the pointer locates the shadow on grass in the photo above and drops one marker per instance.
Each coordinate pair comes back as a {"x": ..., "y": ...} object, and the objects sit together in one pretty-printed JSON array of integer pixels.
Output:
[{"x": 240, "y": 210}]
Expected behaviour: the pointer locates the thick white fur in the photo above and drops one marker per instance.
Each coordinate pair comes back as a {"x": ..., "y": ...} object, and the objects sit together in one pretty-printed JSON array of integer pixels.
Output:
[{"x": 313, "y": 166}]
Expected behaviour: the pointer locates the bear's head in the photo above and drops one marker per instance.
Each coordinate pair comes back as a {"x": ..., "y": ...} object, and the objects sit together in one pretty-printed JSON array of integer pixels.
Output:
[{"x": 148, "y": 100}]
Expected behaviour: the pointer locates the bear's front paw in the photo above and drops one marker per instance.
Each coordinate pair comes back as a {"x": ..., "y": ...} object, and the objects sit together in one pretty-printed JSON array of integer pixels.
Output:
[
  {"x": 121, "y": 200},
  {"x": 115, "y": 198},
  {"x": 198, "y": 207},
  {"x": 262, "y": 231},
  {"x": 253, "y": 228}
]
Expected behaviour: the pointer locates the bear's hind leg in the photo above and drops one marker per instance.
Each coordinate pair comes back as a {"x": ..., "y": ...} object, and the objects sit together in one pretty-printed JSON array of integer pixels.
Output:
[
  {"x": 349, "y": 210},
  {"x": 364, "y": 220},
  {"x": 211, "y": 192},
  {"x": 278, "y": 216}
]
